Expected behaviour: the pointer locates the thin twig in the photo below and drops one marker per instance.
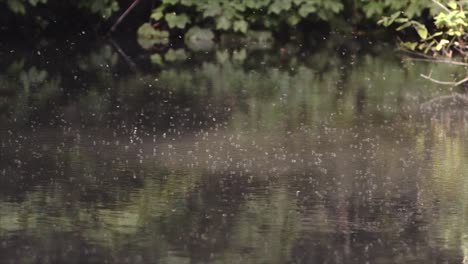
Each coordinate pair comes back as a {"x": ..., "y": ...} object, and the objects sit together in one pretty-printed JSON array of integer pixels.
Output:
[
  {"x": 441, "y": 6},
  {"x": 453, "y": 84},
  {"x": 462, "y": 81},
  {"x": 121, "y": 18},
  {"x": 437, "y": 81},
  {"x": 127, "y": 59}
]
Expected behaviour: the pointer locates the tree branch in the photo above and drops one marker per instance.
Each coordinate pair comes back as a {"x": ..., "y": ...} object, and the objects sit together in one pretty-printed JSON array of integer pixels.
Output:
[
  {"x": 123, "y": 54},
  {"x": 121, "y": 18},
  {"x": 437, "y": 81},
  {"x": 441, "y": 6},
  {"x": 453, "y": 84},
  {"x": 462, "y": 81}
]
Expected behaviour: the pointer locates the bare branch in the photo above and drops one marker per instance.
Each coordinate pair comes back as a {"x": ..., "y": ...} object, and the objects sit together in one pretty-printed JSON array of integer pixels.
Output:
[
  {"x": 121, "y": 18},
  {"x": 462, "y": 81},
  {"x": 441, "y": 6},
  {"x": 437, "y": 81},
  {"x": 123, "y": 54},
  {"x": 453, "y": 84}
]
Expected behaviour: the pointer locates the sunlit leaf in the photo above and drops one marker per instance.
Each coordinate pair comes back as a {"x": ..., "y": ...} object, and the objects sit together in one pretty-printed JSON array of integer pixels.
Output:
[
  {"x": 441, "y": 44},
  {"x": 452, "y": 5},
  {"x": 405, "y": 25},
  {"x": 223, "y": 23},
  {"x": 421, "y": 30},
  {"x": 410, "y": 45}
]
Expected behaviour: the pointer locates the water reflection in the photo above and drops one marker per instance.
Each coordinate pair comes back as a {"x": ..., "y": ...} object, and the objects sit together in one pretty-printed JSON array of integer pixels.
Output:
[{"x": 242, "y": 156}]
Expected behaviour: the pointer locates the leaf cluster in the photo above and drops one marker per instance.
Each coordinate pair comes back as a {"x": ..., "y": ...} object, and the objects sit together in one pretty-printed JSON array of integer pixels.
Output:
[{"x": 450, "y": 29}]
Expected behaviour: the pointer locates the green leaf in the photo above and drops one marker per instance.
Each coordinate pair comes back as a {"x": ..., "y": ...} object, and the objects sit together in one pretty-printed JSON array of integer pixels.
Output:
[
  {"x": 238, "y": 7},
  {"x": 401, "y": 20},
  {"x": 223, "y": 23},
  {"x": 240, "y": 26},
  {"x": 175, "y": 55},
  {"x": 196, "y": 33},
  {"x": 156, "y": 59},
  {"x": 410, "y": 45},
  {"x": 250, "y": 3},
  {"x": 441, "y": 44},
  {"x": 212, "y": 10},
  {"x": 198, "y": 38},
  {"x": 405, "y": 25},
  {"x": 428, "y": 46},
  {"x": 148, "y": 36},
  {"x": 145, "y": 30},
  {"x": 335, "y": 6},
  {"x": 279, "y": 5},
  {"x": 177, "y": 21},
  {"x": 158, "y": 13},
  {"x": 395, "y": 15},
  {"x": 257, "y": 4},
  {"x": 16, "y": 7},
  {"x": 452, "y": 5},
  {"x": 307, "y": 9},
  {"x": 383, "y": 21},
  {"x": 421, "y": 29},
  {"x": 294, "y": 19}
]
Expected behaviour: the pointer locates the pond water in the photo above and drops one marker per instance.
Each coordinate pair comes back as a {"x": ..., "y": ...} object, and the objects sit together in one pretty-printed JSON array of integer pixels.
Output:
[{"x": 276, "y": 155}]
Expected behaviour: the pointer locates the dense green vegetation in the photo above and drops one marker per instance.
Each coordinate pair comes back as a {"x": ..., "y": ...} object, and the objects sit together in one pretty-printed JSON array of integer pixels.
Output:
[
  {"x": 237, "y": 16},
  {"x": 449, "y": 34},
  {"x": 440, "y": 26},
  {"x": 240, "y": 15}
]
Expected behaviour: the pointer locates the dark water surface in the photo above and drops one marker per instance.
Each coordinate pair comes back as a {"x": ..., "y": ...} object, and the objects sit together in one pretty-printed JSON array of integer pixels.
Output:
[{"x": 283, "y": 155}]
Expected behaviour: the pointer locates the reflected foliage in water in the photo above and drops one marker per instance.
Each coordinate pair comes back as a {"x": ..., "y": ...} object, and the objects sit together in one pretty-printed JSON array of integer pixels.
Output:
[{"x": 244, "y": 156}]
